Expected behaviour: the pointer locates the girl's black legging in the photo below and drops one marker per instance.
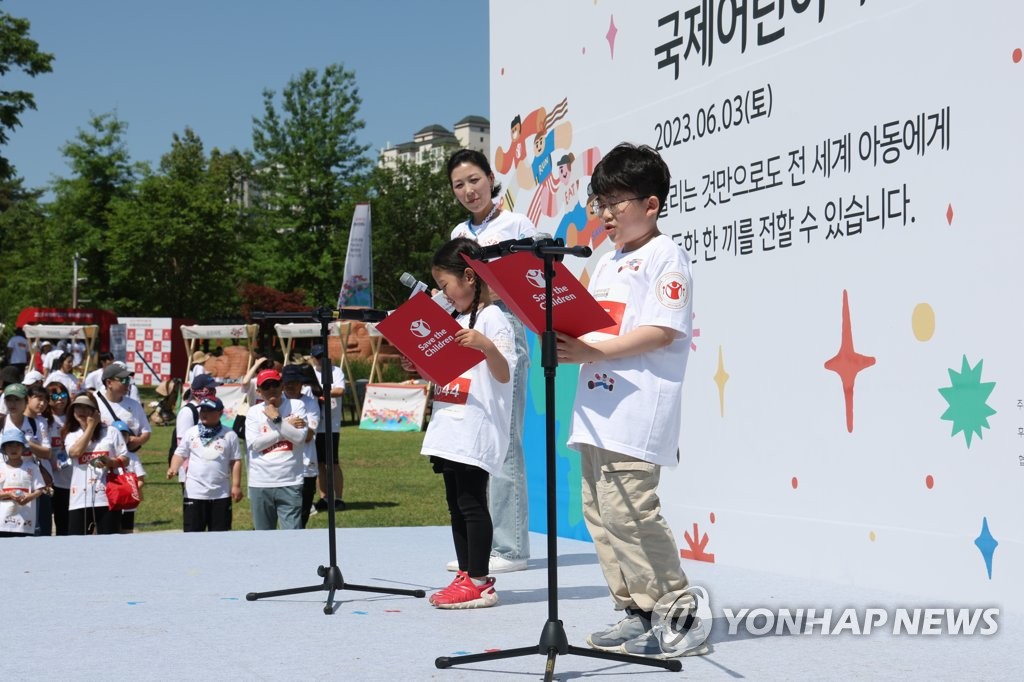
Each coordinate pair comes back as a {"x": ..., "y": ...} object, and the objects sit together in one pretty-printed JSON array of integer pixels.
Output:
[{"x": 466, "y": 490}]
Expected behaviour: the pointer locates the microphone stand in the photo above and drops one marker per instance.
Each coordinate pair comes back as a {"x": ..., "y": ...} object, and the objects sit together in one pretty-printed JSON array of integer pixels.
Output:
[
  {"x": 553, "y": 641},
  {"x": 331, "y": 573}
]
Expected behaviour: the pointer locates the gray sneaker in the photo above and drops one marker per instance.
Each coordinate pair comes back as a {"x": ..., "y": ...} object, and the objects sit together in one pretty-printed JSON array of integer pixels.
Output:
[
  {"x": 635, "y": 624},
  {"x": 665, "y": 639}
]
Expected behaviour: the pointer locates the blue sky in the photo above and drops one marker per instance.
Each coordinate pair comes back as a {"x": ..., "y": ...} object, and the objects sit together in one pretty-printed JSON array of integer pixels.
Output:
[{"x": 162, "y": 66}]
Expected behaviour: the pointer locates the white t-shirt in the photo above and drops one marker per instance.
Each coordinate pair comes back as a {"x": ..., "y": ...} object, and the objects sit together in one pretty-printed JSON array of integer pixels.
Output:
[
  {"x": 182, "y": 423},
  {"x": 196, "y": 371},
  {"x": 49, "y": 358},
  {"x": 274, "y": 450},
  {"x": 94, "y": 380},
  {"x": 129, "y": 411},
  {"x": 506, "y": 225},
  {"x": 88, "y": 483},
  {"x": 61, "y": 475},
  {"x": 70, "y": 381},
  {"x": 633, "y": 405},
  {"x": 310, "y": 467},
  {"x": 209, "y": 466},
  {"x": 18, "y": 350},
  {"x": 337, "y": 381},
  {"x": 471, "y": 416},
  {"x": 14, "y": 517}
]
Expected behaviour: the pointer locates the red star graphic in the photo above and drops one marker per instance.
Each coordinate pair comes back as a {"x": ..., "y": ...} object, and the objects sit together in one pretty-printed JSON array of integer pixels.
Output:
[{"x": 847, "y": 362}]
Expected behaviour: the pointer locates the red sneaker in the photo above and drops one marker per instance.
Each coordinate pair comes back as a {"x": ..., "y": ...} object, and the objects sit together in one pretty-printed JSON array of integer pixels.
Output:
[
  {"x": 465, "y": 594},
  {"x": 459, "y": 577}
]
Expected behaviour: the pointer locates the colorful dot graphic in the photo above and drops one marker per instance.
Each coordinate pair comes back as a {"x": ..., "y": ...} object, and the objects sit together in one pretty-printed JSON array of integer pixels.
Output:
[
  {"x": 922, "y": 321},
  {"x": 1017, "y": 56},
  {"x": 794, "y": 483},
  {"x": 929, "y": 481}
]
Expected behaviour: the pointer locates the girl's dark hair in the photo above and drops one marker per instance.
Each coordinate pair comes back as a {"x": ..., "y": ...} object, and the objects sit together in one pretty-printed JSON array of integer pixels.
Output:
[
  {"x": 478, "y": 159},
  {"x": 58, "y": 361},
  {"x": 449, "y": 258},
  {"x": 36, "y": 390}
]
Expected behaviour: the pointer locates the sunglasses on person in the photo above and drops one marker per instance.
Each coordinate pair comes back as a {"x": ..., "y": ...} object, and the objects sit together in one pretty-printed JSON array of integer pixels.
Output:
[
  {"x": 59, "y": 395},
  {"x": 125, "y": 380}
]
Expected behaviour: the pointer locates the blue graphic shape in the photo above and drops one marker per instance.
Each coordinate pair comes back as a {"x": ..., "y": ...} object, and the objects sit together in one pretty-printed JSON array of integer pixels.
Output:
[{"x": 986, "y": 545}]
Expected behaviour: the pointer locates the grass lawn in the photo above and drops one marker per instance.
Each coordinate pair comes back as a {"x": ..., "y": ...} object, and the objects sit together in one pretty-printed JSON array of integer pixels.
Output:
[{"x": 387, "y": 483}]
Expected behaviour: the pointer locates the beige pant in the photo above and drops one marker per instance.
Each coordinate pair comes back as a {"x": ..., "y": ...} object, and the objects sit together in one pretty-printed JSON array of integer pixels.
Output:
[{"x": 638, "y": 554}]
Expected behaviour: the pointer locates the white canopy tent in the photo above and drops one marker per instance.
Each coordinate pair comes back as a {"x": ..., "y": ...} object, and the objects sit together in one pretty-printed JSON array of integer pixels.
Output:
[
  {"x": 232, "y": 395},
  {"x": 88, "y": 333},
  {"x": 194, "y": 333}
]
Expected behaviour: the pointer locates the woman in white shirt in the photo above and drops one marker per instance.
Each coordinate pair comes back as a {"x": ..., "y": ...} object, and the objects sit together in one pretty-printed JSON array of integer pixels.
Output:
[{"x": 94, "y": 449}]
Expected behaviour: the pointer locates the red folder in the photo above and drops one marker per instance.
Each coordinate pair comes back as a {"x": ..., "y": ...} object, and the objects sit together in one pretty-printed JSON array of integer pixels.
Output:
[
  {"x": 519, "y": 279},
  {"x": 425, "y": 334}
]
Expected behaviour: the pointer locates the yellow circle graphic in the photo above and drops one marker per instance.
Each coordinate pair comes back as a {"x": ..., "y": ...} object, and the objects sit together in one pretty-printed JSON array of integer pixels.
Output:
[{"x": 923, "y": 322}]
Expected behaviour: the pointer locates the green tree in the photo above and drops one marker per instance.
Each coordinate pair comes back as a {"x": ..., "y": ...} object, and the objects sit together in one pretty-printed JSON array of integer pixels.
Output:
[
  {"x": 17, "y": 51},
  {"x": 102, "y": 173},
  {"x": 413, "y": 211},
  {"x": 174, "y": 247},
  {"x": 28, "y": 236},
  {"x": 310, "y": 167}
]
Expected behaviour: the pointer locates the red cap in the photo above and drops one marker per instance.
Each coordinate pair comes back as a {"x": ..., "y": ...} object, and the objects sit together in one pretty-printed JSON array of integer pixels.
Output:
[{"x": 267, "y": 375}]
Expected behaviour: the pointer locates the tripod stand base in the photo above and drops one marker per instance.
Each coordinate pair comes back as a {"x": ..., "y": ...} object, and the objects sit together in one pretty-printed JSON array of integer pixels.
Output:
[
  {"x": 333, "y": 581},
  {"x": 553, "y": 642}
]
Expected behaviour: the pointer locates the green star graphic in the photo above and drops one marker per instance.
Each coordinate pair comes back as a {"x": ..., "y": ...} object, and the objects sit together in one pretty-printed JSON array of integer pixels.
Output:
[{"x": 966, "y": 397}]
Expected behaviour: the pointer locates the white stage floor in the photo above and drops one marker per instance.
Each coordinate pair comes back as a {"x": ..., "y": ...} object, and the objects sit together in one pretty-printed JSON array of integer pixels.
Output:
[{"x": 157, "y": 606}]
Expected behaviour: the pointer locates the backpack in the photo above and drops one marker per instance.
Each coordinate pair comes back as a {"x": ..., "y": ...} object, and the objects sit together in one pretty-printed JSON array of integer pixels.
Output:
[{"x": 174, "y": 434}]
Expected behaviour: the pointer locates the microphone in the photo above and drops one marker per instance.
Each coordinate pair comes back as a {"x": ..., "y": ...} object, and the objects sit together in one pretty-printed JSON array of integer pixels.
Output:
[
  {"x": 503, "y": 248},
  {"x": 414, "y": 284},
  {"x": 417, "y": 286}
]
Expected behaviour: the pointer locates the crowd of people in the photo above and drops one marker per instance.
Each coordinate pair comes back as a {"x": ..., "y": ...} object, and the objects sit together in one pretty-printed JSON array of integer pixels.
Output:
[{"x": 474, "y": 439}]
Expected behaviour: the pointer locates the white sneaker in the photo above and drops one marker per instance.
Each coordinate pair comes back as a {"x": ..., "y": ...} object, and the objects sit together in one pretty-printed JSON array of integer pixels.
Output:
[{"x": 497, "y": 564}]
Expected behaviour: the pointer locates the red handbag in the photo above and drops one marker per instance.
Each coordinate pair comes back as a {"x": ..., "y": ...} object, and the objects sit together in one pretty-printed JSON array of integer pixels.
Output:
[{"x": 123, "y": 492}]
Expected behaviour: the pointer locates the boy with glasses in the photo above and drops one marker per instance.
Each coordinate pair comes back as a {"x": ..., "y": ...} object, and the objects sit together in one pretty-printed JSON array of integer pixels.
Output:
[{"x": 626, "y": 435}]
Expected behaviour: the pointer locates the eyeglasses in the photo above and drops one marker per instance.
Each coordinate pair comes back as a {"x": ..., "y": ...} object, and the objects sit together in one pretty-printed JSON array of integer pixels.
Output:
[
  {"x": 59, "y": 396},
  {"x": 125, "y": 380},
  {"x": 598, "y": 207}
]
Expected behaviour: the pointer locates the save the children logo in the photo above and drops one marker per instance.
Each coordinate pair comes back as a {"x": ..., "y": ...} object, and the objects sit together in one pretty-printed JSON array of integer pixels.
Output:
[
  {"x": 673, "y": 290},
  {"x": 420, "y": 329},
  {"x": 535, "y": 277}
]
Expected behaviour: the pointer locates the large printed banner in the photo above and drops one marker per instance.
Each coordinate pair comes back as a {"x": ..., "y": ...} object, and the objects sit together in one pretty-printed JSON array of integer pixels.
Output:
[{"x": 846, "y": 180}]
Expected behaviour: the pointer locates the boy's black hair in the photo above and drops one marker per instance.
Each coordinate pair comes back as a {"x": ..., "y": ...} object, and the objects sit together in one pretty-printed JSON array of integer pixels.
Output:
[
  {"x": 449, "y": 258},
  {"x": 477, "y": 159},
  {"x": 631, "y": 168}
]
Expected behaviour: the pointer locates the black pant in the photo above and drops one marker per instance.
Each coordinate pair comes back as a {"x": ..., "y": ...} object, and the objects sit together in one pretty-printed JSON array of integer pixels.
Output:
[
  {"x": 321, "y": 447},
  {"x": 61, "y": 499},
  {"x": 99, "y": 520},
  {"x": 465, "y": 487},
  {"x": 203, "y": 515},
  {"x": 308, "y": 492}
]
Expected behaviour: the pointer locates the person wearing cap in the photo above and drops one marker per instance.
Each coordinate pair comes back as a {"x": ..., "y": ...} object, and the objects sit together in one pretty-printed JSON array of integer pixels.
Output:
[
  {"x": 62, "y": 370},
  {"x": 199, "y": 359},
  {"x": 213, "y": 465},
  {"x": 275, "y": 433},
  {"x": 318, "y": 357},
  {"x": 128, "y": 417},
  {"x": 203, "y": 387},
  {"x": 20, "y": 485},
  {"x": 293, "y": 383},
  {"x": 32, "y": 378},
  {"x": 16, "y": 398},
  {"x": 94, "y": 449}
]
